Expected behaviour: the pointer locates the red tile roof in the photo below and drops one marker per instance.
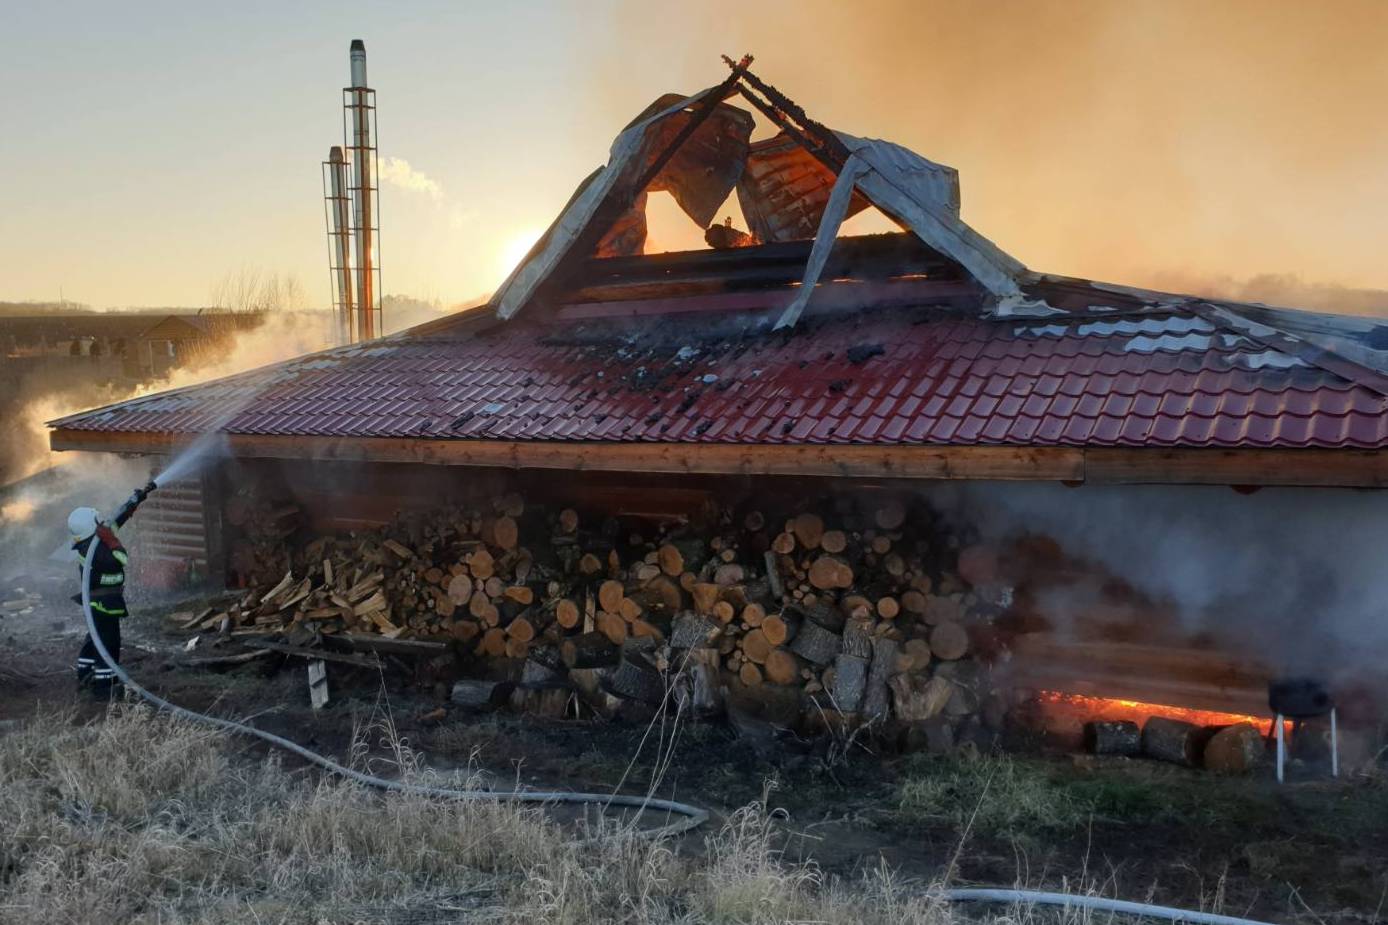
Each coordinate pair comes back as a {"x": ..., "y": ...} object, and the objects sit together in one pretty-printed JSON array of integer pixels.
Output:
[{"x": 1155, "y": 378}]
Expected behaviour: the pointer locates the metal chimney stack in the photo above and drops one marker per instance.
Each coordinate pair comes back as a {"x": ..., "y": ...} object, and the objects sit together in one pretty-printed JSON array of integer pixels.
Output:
[
  {"x": 360, "y": 111},
  {"x": 338, "y": 217}
]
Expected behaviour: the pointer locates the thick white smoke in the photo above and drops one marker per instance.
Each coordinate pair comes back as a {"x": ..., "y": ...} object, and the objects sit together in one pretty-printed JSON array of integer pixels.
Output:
[{"x": 1295, "y": 577}]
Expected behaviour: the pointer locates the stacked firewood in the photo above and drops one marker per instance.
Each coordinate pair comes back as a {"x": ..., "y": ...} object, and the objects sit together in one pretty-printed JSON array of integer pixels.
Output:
[{"x": 865, "y": 612}]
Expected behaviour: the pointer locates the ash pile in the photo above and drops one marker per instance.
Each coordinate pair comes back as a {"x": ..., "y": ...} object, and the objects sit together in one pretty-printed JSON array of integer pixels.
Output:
[{"x": 830, "y": 616}]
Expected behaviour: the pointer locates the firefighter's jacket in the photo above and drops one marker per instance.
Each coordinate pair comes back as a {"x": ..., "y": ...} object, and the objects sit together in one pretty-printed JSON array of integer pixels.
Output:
[{"x": 107, "y": 576}]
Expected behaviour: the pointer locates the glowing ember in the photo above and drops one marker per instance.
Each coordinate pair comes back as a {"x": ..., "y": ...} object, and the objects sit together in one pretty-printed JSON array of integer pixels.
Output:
[{"x": 1096, "y": 708}]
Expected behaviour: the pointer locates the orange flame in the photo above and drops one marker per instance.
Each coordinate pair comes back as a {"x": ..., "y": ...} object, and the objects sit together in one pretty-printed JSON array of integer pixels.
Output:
[{"x": 1103, "y": 708}]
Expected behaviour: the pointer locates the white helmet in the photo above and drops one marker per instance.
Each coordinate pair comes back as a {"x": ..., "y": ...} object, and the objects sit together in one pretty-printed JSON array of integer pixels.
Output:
[{"x": 81, "y": 523}]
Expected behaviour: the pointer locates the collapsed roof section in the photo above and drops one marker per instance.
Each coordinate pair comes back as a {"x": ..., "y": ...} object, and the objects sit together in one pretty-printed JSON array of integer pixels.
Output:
[{"x": 801, "y": 184}]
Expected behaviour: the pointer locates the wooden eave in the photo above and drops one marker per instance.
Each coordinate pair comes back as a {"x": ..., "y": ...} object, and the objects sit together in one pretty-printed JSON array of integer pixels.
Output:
[{"x": 1352, "y": 468}]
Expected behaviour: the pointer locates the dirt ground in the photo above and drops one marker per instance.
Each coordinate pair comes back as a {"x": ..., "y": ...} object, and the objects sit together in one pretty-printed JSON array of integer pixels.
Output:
[{"x": 1313, "y": 850}]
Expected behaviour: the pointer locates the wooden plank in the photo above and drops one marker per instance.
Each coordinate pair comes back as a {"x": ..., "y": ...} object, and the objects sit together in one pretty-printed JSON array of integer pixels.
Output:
[
  {"x": 360, "y": 661},
  {"x": 1323, "y": 468},
  {"x": 360, "y": 642},
  {"x": 1309, "y": 467}
]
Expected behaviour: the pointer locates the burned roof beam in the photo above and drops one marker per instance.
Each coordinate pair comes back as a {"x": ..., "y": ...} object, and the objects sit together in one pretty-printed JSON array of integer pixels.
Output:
[{"x": 782, "y": 109}]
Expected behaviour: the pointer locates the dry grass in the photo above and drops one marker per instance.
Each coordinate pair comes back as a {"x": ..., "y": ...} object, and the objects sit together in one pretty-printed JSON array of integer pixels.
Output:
[{"x": 143, "y": 818}]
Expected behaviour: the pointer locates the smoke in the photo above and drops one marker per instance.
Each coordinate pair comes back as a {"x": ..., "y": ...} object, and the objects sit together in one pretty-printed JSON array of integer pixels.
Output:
[
  {"x": 1286, "y": 290},
  {"x": 397, "y": 172},
  {"x": 280, "y": 337},
  {"x": 1111, "y": 141},
  {"x": 1294, "y": 577}
]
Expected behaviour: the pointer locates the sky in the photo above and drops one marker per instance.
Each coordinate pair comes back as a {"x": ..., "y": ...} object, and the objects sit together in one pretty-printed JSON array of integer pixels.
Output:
[{"x": 152, "y": 148}]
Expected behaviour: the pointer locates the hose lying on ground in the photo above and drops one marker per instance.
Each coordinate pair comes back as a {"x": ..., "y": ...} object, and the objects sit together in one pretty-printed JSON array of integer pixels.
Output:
[
  {"x": 691, "y": 817},
  {"x": 1099, "y": 903}
]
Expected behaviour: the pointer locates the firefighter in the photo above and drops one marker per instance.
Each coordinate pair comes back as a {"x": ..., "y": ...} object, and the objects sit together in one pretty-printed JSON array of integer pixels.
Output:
[{"x": 106, "y": 581}]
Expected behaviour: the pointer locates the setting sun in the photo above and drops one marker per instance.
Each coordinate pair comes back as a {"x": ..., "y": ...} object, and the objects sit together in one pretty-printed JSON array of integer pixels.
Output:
[{"x": 515, "y": 249}]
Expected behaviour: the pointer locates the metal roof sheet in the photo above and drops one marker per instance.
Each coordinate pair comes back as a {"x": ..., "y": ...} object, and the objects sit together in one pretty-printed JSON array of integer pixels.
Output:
[{"x": 898, "y": 376}]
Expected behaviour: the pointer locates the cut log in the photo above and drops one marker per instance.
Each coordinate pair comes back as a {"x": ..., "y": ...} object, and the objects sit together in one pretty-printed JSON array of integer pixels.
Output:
[
  {"x": 520, "y": 594},
  {"x": 857, "y": 638},
  {"x": 755, "y": 646},
  {"x": 775, "y": 629},
  {"x": 476, "y": 694},
  {"x": 612, "y": 626},
  {"x": 1235, "y": 749},
  {"x": 1112, "y": 737},
  {"x": 949, "y": 641},
  {"x": 917, "y": 654},
  {"x": 827, "y": 573},
  {"x": 590, "y": 650},
  {"x": 698, "y": 689},
  {"x": 890, "y": 515},
  {"x": 516, "y": 648},
  {"x": 506, "y": 533},
  {"x": 629, "y": 610},
  {"x": 815, "y": 644},
  {"x": 783, "y": 544},
  {"x": 749, "y": 674},
  {"x": 913, "y": 602},
  {"x": 781, "y": 667},
  {"x": 876, "y": 696},
  {"x": 888, "y": 608},
  {"x": 568, "y": 520},
  {"x": 521, "y": 629},
  {"x": 1172, "y": 740},
  {"x": 671, "y": 560},
  {"x": 589, "y": 564},
  {"x": 723, "y": 611},
  {"x": 916, "y": 699},
  {"x": 493, "y": 643},
  {"x": 636, "y": 680},
  {"x": 727, "y": 575},
  {"x": 940, "y": 609},
  {"x": 705, "y": 596},
  {"x": 640, "y": 629},
  {"x": 809, "y": 530},
  {"x": 850, "y": 682},
  {"x": 692, "y": 631},
  {"x": 481, "y": 564},
  {"x": 753, "y": 615},
  {"x": 494, "y": 587},
  {"x": 610, "y": 594},
  {"x": 834, "y": 541},
  {"x": 566, "y": 613}
]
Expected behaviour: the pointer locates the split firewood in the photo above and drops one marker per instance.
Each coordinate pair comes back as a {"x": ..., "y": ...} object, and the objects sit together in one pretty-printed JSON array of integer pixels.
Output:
[
  {"x": 520, "y": 594},
  {"x": 692, "y": 630},
  {"x": 285, "y": 583},
  {"x": 815, "y": 644},
  {"x": 728, "y": 575},
  {"x": 705, "y": 596},
  {"x": 403, "y": 552}
]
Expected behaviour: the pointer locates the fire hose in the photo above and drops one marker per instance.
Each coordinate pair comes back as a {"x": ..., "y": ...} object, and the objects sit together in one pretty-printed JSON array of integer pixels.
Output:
[{"x": 690, "y": 817}]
